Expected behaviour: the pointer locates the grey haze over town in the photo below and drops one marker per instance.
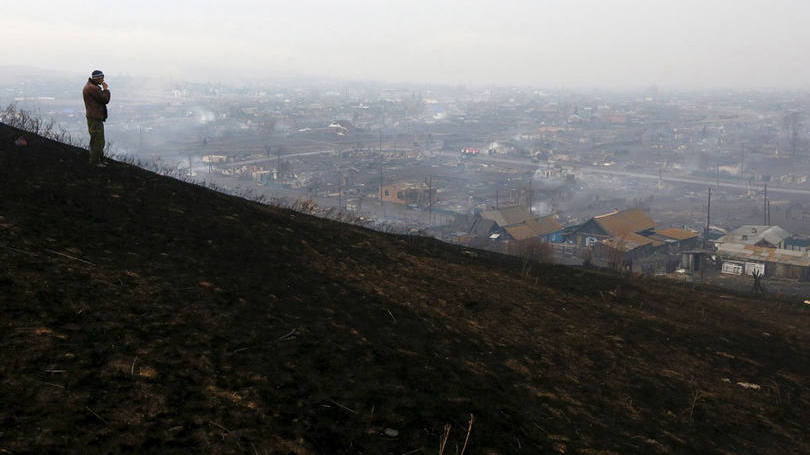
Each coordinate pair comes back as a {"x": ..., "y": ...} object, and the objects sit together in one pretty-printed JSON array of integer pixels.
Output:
[
  {"x": 659, "y": 137},
  {"x": 561, "y": 44}
]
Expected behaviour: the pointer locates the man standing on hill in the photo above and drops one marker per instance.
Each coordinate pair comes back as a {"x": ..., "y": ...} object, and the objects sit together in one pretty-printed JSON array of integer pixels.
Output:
[{"x": 96, "y": 96}]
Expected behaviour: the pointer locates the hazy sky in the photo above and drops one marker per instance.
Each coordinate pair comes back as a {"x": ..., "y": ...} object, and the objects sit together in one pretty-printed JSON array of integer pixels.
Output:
[{"x": 546, "y": 43}]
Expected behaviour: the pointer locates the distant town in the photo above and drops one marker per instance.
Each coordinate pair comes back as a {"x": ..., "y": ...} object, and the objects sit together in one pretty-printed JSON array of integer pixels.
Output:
[{"x": 701, "y": 186}]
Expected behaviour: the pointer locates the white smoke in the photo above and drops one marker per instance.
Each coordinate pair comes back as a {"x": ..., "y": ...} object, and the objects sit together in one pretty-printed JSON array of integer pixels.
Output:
[{"x": 541, "y": 208}]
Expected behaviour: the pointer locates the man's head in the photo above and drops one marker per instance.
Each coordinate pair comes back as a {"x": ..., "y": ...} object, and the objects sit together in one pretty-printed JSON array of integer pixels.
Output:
[{"x": 97, "y": 76}]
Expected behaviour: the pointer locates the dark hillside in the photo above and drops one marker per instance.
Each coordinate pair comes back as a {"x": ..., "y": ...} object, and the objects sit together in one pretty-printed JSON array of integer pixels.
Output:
[{"x": 141, "y": 314}]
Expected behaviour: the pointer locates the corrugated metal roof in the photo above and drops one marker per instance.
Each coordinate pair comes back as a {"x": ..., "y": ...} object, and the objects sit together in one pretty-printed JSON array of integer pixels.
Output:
[
  {"x": 625, "y": 222},
  {"x": 762, "y": 254},
  {"x": 628, "y": 241},
  {"x": 522, "y": 231},
  {"x": 508, "y": 216},
  {"x": 676, "y": 233},
  {"x": 531, "y": 228},
  {"x": 752, "y": 234}
]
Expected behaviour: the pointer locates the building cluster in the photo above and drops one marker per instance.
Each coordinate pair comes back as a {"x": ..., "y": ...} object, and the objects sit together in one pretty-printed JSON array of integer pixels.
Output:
[
  {"x": 769, "y": 251},
  {"x": 630, "y": 240}
]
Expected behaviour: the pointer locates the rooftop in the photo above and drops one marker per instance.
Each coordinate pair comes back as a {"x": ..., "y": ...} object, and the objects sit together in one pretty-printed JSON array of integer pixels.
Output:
[
  {"x": 629, "y": 241},
  {"x": 677, "y": 233},
  {"x": 763, "y": 254},
  {"x": 625, "y": 222},
  {"x": 534, "y": 228},
  {"x": 756, "y": 235},
  {"x": 508, "y": 216}
]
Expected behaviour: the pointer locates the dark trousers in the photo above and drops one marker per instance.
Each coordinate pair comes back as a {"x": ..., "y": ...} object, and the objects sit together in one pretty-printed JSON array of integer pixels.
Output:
[{"x": 96, "y": 130}]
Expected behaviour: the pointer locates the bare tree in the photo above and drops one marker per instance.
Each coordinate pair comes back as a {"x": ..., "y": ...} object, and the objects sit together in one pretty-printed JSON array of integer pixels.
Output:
[
  {"x": 615, "y": 253},
  {"x": 758, "y": 288}
]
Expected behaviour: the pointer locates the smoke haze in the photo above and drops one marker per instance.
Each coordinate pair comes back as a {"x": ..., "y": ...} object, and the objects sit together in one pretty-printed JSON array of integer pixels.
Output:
[{"x": 553, "y": 43}]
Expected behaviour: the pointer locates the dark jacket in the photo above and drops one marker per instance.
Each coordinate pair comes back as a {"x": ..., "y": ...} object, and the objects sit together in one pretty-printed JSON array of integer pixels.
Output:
[{"x": 95, "y": 100}]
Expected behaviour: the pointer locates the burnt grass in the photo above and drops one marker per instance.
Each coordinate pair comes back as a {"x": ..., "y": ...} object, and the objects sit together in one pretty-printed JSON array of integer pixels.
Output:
[{"x": 143, "y": 314}]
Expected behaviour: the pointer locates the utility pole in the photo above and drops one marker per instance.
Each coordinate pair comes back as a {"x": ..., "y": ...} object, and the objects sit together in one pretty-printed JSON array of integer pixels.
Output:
[
  {"x": 718, "y": 176},
  {"x": 340, "y": 192},
  {"x": 381, "y": 158},
  {"x": 708, "y": 219},
  {"x": 381, "y": 187},
  {"x": 769, "y": 213},
  {"x": 430, "y": 200},
  {"x": 765, "y": 206},
  {"x": 278, "y": 162}
]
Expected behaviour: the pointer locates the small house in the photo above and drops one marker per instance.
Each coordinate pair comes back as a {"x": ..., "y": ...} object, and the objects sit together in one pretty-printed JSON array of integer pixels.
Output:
[
  {"x": 741, "y": 259},
  {"x": 625, "y": 226}
]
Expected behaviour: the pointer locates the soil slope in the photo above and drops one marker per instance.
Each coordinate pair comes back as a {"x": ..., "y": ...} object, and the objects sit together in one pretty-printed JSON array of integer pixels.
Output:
[{"x": 141, "y": 314}]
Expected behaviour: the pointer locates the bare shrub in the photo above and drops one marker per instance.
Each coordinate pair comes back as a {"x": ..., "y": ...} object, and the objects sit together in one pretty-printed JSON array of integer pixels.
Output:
[
  {"x": 28, "y": 121},
  {"x": 533, "y": 250},
  {"x": 305, "y": 206}
]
